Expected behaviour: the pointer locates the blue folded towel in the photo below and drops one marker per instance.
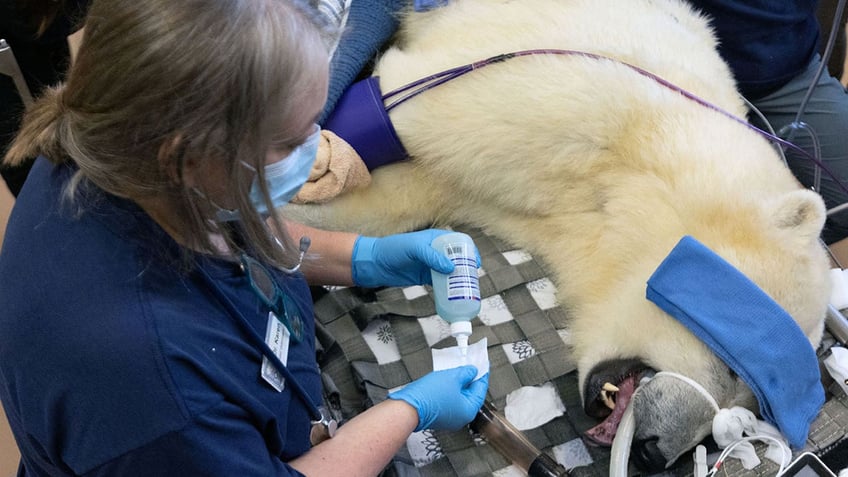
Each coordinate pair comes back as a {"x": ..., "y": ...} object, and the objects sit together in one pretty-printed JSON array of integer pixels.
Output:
[{"x": 754, "y": 335}]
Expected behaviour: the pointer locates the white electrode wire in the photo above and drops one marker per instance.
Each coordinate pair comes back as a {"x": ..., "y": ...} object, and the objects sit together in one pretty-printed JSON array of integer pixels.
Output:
[
  {"x": 768, "y": 126},
  {"x": 726, "y": 452},
  {"x": 830, "y": 252},
  {"x": 801, "y": 125}
]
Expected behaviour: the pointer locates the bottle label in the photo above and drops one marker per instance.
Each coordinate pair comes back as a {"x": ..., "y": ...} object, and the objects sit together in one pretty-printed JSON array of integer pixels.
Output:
[{"x": 463, "y": 283}]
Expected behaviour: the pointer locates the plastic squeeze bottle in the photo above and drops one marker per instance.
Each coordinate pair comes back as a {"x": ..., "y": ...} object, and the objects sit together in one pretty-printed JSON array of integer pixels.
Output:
[{"x": 457, "y": 294}]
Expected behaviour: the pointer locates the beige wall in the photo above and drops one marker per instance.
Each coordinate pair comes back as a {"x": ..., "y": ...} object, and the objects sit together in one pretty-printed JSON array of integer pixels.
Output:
[{"x": 8, "y": 450}]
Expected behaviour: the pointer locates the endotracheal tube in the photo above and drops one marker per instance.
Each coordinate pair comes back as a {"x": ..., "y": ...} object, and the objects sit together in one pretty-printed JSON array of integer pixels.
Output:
[{"x": 514, "y": 445}]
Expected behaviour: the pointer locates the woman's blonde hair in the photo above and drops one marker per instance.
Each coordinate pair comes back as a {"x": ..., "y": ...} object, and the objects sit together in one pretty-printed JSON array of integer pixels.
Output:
[{"x": 160, "y": 84}]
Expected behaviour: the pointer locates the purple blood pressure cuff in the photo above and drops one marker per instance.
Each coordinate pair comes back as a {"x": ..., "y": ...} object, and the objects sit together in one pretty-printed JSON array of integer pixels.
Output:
[
  {"x": 746, "y": 328},
  {"x": 360, "y": 118}
]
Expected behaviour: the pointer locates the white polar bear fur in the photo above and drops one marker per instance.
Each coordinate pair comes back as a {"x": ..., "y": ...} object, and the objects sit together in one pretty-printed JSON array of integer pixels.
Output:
[{"x": 592, "y": 167}]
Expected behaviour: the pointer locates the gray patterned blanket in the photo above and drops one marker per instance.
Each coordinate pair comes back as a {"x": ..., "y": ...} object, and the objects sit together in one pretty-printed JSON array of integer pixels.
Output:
[{"x": 373, "y": 341}]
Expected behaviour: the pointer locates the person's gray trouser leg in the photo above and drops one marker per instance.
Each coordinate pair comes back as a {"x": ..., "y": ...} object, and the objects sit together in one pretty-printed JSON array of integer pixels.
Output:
[{"x": 827, "y": 114}]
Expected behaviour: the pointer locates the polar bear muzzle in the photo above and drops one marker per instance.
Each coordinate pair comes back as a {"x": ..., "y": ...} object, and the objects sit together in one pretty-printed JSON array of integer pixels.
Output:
[{"x": 608, "y": 389}]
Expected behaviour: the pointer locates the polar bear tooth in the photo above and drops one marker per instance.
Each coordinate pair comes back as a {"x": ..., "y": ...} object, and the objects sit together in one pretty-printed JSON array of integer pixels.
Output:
[{"x": 608, "y": 392}]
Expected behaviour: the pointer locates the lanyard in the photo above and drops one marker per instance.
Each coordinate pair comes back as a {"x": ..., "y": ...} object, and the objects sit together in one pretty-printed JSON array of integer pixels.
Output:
[{"x": 323, "y": 425}]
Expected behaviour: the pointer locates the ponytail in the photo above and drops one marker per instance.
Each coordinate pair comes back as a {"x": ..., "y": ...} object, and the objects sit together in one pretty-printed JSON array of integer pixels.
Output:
[{"x": 40, "y": 132}]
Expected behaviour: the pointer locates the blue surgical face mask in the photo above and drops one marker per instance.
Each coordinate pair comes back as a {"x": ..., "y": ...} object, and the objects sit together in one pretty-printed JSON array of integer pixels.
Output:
[{"x": 286, "y": 176}]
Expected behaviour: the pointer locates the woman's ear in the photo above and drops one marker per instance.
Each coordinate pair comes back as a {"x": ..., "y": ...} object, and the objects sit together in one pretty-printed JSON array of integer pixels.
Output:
[{"x": 172, "y": 159}]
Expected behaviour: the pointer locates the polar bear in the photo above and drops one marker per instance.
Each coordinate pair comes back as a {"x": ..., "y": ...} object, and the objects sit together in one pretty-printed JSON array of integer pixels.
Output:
[{"x": 598, "y": 169}]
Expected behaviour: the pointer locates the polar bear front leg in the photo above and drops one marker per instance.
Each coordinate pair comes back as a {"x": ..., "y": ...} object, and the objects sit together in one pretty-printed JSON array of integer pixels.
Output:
[{"x": 400, "y": 198}]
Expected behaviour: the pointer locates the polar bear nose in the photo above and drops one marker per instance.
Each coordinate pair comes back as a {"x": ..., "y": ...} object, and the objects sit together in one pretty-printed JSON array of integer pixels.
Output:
[{"x": 646, "y": 455}]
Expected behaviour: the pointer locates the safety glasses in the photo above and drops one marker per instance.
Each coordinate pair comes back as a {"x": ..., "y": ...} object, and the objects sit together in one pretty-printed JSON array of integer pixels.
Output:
[{"x": 272, "y": 296}]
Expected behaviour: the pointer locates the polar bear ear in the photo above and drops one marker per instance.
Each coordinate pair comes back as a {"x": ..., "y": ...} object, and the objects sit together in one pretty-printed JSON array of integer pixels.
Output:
[{"x": 801, "y": 212}]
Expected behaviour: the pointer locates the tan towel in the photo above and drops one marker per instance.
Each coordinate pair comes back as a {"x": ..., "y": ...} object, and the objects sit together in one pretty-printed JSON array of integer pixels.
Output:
[{"x": 337, "y": 169}]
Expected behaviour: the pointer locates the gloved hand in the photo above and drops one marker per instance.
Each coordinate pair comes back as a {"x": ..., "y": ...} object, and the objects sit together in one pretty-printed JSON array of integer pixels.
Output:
[
  {"x": 446, "y": 399},
  {"x": 398, "y": 260}
]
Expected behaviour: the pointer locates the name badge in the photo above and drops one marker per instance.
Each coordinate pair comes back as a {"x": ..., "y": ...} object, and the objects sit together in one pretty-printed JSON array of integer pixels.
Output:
[{"x": 277, "y": 337}]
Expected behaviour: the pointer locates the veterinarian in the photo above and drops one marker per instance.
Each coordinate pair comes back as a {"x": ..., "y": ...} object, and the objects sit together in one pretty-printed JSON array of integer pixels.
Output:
[
  {"x": 771, "y": 47},
  {"x": 153, "y": 322}
]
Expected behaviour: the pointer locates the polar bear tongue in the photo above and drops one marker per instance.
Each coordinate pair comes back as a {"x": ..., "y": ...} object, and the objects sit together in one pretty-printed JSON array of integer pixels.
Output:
[{"x": 603, "y": 433}]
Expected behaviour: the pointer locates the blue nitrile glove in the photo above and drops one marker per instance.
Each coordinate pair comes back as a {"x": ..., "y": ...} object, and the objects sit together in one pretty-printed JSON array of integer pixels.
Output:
[
  {"x": 398, "y": 260},
  {"x": 446, "y": 399}
]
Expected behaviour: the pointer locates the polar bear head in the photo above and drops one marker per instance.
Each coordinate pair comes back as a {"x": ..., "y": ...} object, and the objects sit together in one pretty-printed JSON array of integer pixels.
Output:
[{"x": 783, "y": 256}]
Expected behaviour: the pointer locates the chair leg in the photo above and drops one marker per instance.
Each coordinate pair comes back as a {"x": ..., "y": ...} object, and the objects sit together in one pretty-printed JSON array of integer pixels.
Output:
[{"x": 9, "y": 67}]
